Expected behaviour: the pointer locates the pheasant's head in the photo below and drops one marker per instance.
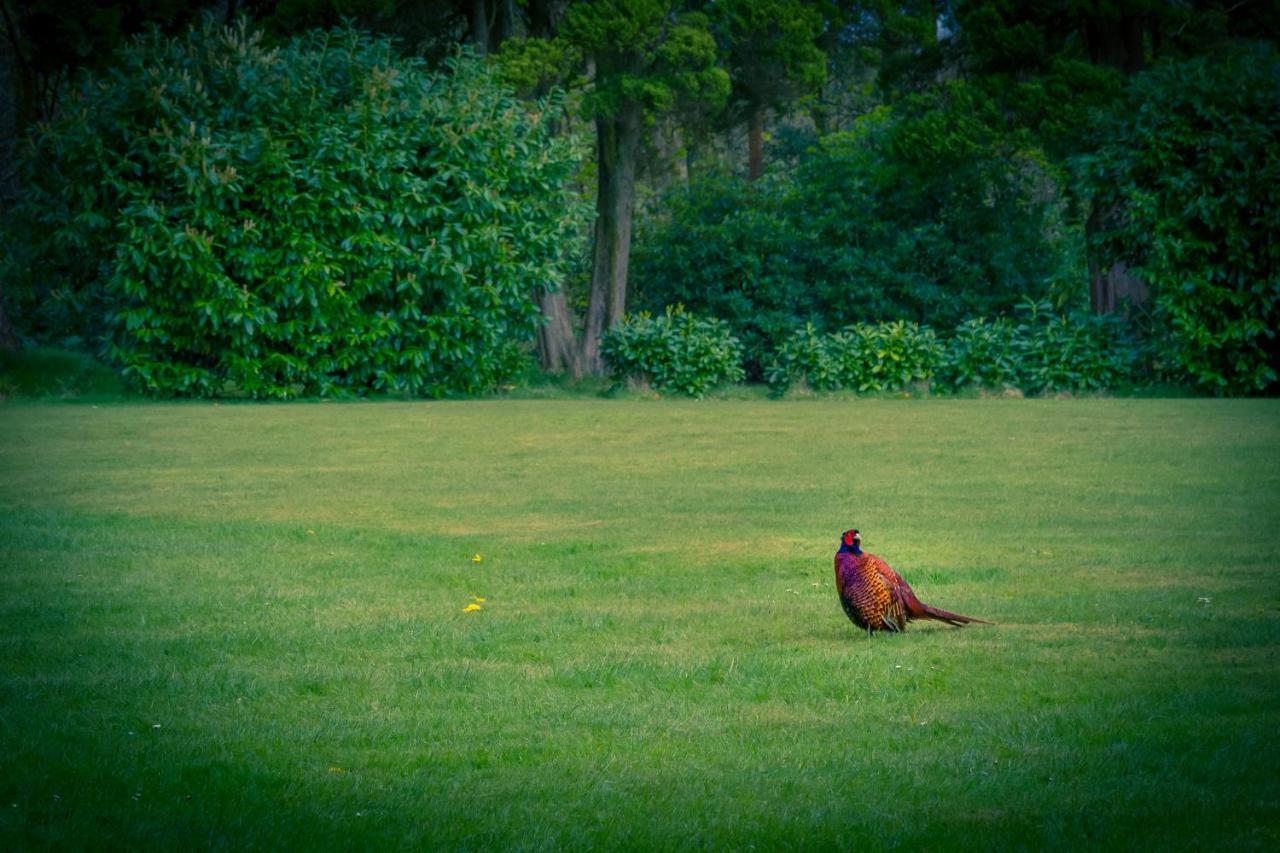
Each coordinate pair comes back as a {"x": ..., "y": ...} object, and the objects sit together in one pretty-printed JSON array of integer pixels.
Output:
[{"x": 851, "y": 540}]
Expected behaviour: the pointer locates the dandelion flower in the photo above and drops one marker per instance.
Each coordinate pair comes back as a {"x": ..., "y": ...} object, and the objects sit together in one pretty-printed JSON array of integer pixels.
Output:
[
  {"x": 477, "y": 558},
  {"x": 471, "y": 608},
  {"x": 477, "y": 599}
]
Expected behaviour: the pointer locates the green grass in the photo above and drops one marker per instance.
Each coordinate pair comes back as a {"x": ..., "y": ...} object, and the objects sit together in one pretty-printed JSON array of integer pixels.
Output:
[{"x": 241, "y": 626}]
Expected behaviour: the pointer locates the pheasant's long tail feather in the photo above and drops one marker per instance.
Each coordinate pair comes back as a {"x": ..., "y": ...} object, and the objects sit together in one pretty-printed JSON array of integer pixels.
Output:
[{"x": 949, "y": 617}]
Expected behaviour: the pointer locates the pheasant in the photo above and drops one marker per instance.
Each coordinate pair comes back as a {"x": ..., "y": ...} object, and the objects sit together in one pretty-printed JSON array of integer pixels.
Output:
[{"x": 875, "y": 597}]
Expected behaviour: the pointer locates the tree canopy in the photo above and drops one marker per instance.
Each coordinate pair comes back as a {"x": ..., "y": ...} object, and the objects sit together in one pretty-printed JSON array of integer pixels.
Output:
[{"x": 778, "y": 165}]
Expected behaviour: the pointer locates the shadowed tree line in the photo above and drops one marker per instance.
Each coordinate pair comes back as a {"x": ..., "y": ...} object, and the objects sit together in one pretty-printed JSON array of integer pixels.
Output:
[{"x": 842, "y": 161}]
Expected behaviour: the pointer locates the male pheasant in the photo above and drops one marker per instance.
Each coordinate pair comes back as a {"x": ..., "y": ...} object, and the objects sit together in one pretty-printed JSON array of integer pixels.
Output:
[{"x": 875, "y": 597}]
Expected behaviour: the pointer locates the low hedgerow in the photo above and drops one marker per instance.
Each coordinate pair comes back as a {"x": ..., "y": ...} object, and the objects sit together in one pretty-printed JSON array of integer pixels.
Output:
[
  {"x": 861, "y": 357},
  {"x": 981, "y": 353},
  {"x": 1041, "y": 352},
  {"x": 1071, "y": 352},
  {"x": 675, "y": 351}
]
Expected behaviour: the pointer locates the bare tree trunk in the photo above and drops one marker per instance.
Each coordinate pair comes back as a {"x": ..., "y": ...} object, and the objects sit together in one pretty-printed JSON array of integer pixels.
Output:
[
  {"x": 557, "y": 347},
  {"x": 543, "y": 17},
  {"x": 755, "y": 143},
  {"x": 617, "y": 143},
  {"x": 1118, "y": 43},
  {"x": 478, "y": 16},
  {"x": 1114, "y": 288},
  {"x": 16, "y": 113},
  {"x": 8, "y": 338},
  {"x": 504, "y": 24}
]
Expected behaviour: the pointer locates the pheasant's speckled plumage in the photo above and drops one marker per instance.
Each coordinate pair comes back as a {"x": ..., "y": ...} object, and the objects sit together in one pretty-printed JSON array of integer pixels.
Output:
[{"x": 875, "y": 597}]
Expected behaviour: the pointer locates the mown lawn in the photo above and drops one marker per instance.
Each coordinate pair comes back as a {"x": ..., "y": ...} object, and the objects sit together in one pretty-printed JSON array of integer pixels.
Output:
[{"x": 242, "y": 626}]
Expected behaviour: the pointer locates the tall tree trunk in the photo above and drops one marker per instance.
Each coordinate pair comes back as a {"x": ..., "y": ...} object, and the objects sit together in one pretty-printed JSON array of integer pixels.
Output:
[
  {"x": 1117, "y": 42},
  {"x": 1111, "y": 288},
  {"x": 504, "y": 24},
  {"x": 617, "y": 143},
  {"x": 478, "y": 17},
  {"x": 542, "y": 18},
  {"x": 8, "y": 338},
  {"x": 558, "y": 349},
  {"x": 16, "y": 115},
  {"x": 755, "y": 142}
]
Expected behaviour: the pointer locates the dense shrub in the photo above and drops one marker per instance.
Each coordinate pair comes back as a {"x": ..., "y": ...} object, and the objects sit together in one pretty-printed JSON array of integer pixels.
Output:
[
  {"x": 930, "y": 211},
  {"x": 1043, "y": 352},
  {"x": 675, "y": 351},
  {"x": 980, "y": 353},
  {"x": 1186, "y": 177},
  {"x": 324, "y": 217},
  {"x": 728, "y": 249},
  {"x": 1071, "y": 351},
  {"x": 861, "y": 357}
]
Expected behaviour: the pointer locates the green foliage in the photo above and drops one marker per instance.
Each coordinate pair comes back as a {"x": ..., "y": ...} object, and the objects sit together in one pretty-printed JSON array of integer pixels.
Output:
[
  {"x": 726, "y": 248},
  {"x": 929, "y": 211},
  {"x": 1043, "y": 352},
  {"x": 48, "y": 372},
  {"x": 1187, "y": 179},
  {"x": 675, "y": 351},
  {"x": 769, "y": 46},
  {"x": 861, "y": 357},
  {"x": 532, "y": 66},
  {"x": 320, "y": 218},
  {"x": 646, "y": 53},
  {"x": 980, "y": 353},
  {"x": 1071, "y": 351}
]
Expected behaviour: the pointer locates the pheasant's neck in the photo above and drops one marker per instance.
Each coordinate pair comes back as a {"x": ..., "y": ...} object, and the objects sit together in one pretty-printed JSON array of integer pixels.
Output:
[{"x": 851, "y": 549}]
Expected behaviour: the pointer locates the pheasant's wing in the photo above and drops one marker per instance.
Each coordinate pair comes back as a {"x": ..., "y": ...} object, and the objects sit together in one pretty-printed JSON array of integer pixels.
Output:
[
  {"x": 863, "y": 592},
  {"x": 901, "y": 598}
]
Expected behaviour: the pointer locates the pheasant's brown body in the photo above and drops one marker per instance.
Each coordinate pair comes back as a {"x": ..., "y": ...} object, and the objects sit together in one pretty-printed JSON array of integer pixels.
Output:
[{"x": 876, "y": 597}]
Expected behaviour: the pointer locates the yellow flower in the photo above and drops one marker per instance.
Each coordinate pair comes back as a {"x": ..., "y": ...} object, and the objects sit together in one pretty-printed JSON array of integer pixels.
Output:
[
  {"x": 478, "y": 599},
  {"x": 335, "y": 770},
  {"x": 477, "y": 558},
  {"x": 471, "y": 608}
]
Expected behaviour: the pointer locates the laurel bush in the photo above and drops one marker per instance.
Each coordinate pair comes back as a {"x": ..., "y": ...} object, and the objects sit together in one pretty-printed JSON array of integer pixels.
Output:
[
  {"x": 675, "y": 351},
  {"x": 1039, "y": 351},
  {"x": 1186, "y": 176},
  {"x": 324, "y": 217}
]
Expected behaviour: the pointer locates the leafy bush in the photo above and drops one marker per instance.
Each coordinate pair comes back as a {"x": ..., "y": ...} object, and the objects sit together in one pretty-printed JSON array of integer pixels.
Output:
[
  {"x": 1071, "y": 351},
  {"x": 861, "y": 357},
  {"x": 675, "y": 351},
  {"x": 982, "y": 353},
  {"x": 1043, "y": 352},
  {"x": 1186, "y": 176},
  {"x": 929, "y": 211},
  {"x": 807, "y": 356},
  {"x": 60, "y": 373},
  {"x": 728, "y": 249},
  {"x": 324, "y": 217}
]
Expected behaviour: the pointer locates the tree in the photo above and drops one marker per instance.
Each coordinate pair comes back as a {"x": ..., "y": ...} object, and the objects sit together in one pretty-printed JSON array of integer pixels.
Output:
[
  {"x": 1189, "y": 165},
  {"x": 641, "y": 54},
  {"x": 44, "y": 43},
  {"x": 771, "y": 51}
]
